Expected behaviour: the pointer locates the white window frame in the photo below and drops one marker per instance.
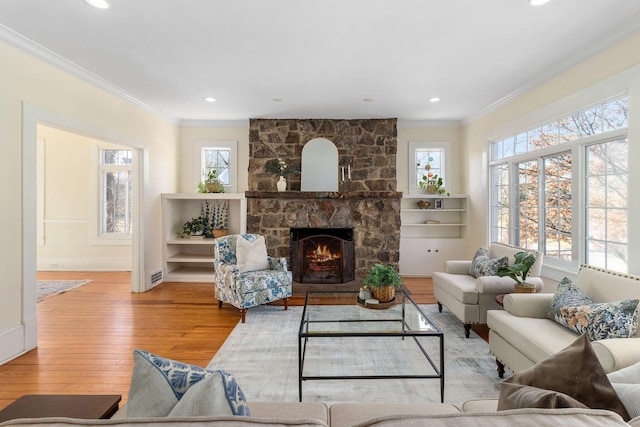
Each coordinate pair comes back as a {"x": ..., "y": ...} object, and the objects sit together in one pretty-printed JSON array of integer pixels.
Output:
[
  {"x": 414, "y": 146},
  {"x": 198, "y": 167},
  {"x": 97, "y": 237}
]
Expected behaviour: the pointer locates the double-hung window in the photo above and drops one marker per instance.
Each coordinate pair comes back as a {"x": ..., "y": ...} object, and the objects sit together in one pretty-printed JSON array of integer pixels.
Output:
[
  {"x": 561, "y": 187},
  {"x": 115, "y": 192},
  {"x": 221, "y": 156}
]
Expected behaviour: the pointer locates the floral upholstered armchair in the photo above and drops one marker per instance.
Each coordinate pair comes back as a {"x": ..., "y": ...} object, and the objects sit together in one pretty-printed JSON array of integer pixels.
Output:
[{"x": 245, "y": 276}]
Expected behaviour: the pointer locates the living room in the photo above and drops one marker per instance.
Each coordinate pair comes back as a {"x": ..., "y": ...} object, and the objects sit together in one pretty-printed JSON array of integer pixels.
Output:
[{"x": 35, "y": 91}]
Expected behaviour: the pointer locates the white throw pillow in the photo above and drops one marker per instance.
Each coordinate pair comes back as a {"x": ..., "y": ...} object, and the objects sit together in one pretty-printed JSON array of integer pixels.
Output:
[
  {"x": 251, "y": 256},
  {"x": 626, "y": 382}
]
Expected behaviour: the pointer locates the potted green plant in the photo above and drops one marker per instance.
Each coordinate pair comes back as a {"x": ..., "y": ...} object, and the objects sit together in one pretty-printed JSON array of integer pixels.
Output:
[
  {"x": 383, "y": 280},
  {"x": 519, "y": 271},
  {"x": 433, "y": 184},
  {"x": 211, "y": 184},
  {"x": 200, "y": 226}
]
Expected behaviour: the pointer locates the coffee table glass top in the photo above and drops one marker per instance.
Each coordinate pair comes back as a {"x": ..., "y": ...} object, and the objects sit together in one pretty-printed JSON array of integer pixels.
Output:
[{"x": 341, "y": 313}]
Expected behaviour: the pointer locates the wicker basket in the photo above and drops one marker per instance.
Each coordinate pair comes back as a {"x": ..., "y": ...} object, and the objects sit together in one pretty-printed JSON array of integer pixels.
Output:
[
  {"x": 522, "y": 289},
  {"x": 384, "y": 294},
  {"x": 219, "y": 232}
]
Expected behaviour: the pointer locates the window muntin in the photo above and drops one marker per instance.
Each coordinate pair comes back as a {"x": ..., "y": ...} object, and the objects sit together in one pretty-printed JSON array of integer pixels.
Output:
[
  {"x": 115, "y": 194},
  {"x": 218, "y": 159},
  {"x": 606, "y": 208}
]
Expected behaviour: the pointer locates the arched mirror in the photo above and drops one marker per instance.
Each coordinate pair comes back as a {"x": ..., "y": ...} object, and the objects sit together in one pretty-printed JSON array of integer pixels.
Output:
[{"x": 319, "y": 166}]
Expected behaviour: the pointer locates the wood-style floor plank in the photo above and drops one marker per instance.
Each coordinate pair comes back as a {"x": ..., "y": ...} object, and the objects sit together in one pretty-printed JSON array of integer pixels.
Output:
[{"x": 86, "y": 336}]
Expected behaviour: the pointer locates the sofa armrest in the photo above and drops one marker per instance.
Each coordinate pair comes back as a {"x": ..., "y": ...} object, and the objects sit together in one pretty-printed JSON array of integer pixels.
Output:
[
  {"x": 528, "y": 305},
  {"x": 502, "y": 285},
  {"x": 617, "y": 353},
  {"x": 457, "y": 267}
]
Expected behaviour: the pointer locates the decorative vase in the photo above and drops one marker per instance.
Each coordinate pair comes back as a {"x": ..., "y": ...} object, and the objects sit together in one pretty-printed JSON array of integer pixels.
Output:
[
  {"x": 385, "y": 293},
  {"x": 432, "y": 189},
  {"x": 282, "y": 184}
]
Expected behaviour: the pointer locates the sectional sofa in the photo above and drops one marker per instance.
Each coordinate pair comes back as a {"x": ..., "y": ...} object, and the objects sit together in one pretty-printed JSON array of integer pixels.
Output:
[{"x": 316, "y": 414}]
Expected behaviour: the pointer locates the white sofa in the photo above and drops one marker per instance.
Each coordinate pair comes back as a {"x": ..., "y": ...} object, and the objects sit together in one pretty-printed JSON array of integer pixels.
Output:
[
  {"x": 317, "y": 414},
  {"x": 469, "y": 298},
  {"x": 523, "y": 334}
]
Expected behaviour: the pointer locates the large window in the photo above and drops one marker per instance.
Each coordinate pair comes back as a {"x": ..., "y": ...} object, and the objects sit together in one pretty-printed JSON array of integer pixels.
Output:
[
  {"x": 115, "y": 185},
  {"x": 606, "y": 207},
  {"x": 536, "y": 178}
]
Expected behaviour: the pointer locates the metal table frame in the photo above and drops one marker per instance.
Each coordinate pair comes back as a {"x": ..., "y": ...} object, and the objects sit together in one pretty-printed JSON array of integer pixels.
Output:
[{"x": 304, "y": 334}]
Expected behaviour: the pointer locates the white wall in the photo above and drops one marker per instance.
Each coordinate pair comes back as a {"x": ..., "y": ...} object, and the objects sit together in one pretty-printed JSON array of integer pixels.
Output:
[
  {"x": 189, "y": 136},
  {"x": 71, "y": 197},
  {"x": 30, "y": 81},
  {"x": 612, "y": 70},
  {"x": 408, "y": 132}
]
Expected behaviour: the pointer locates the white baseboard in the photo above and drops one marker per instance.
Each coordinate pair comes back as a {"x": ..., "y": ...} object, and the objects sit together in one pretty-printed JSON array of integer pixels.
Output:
[
  {"x": 84, "y": 264},
  {"x": 11, "y": 344}
]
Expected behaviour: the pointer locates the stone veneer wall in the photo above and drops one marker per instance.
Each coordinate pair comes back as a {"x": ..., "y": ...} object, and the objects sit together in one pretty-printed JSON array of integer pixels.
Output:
[
  {"x": 368, "y": 203},
  {"x": 369, "y": 146}
]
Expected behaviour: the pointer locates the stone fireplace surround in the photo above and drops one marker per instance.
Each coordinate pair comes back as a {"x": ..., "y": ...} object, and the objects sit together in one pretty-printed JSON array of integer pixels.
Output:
[{"x": 368, "y": 203}]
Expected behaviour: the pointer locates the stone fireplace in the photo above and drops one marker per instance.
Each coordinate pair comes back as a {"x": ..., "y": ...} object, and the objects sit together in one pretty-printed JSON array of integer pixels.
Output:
[{"x": 367, "y": 203}]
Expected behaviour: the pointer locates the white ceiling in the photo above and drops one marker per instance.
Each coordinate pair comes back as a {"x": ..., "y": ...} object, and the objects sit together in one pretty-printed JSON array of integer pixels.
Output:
[{"x": 321, "y": 58}]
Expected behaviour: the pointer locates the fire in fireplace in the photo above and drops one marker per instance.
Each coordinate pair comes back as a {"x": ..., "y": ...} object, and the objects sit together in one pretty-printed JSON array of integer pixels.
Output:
[{"x": 322, "y": 255}]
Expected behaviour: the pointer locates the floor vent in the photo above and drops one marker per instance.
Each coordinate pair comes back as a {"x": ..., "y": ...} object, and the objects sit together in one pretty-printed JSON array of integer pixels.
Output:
[{"x": 156, "y": 277}]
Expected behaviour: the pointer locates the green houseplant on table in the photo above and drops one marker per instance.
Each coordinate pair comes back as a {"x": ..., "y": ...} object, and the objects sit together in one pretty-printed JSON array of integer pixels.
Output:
[
  {"x": 519, "y": 271},
  {"x": 383, "y": 280}
]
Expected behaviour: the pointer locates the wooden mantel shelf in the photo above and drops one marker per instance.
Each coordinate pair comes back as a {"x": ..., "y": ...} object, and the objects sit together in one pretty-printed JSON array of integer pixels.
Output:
[{"x": 323, "y": 195}]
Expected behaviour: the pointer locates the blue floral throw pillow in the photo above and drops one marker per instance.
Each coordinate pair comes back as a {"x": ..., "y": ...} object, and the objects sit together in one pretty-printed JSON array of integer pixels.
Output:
[
  {"x": 483, "y": 266},
  {"x": 574, "y": 310},
  {"x": 164, "y": 387}
]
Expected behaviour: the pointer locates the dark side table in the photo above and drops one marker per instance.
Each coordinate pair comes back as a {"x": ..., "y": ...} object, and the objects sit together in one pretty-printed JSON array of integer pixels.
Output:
[{"x": 62, "y": 405}]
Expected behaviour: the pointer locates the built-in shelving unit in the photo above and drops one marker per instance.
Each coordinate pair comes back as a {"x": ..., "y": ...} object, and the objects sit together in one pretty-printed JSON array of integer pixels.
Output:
[
  {"x": 191, "y": 260},
  {"x": 430, "y": 236}
]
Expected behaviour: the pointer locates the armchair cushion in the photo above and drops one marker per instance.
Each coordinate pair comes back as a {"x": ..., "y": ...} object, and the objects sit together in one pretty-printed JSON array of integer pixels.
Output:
[
  {"x": 626, "y": 383},
  {"x": 483, "y": 266},
  {"x": 252, "y": 256}
]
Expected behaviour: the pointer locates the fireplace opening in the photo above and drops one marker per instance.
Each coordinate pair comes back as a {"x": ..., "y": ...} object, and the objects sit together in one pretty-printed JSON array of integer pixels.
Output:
[{"x": 322, "y": 255}]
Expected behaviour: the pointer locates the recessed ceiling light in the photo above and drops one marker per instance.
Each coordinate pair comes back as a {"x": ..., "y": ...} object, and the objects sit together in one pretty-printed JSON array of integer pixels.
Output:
[
  {"x": 434, "y": 99},
  {"x": 99, "y": 4},
  {"x": 538, "y": 2},
  {"x": 210, "y": 99},
  {"x": 367, "y": 100}
]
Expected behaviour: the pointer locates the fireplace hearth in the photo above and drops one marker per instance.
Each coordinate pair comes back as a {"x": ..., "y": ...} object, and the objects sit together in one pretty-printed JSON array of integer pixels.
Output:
[{"x": 322, "y": 255}]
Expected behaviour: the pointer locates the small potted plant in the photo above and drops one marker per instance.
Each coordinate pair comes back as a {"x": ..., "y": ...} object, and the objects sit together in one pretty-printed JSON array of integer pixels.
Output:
[
  {"x": 383, "y": 280},
  {"x": 195, "y": 228},
  {"x": 519, "y": 271},
  {"x": 211, "y": 184},
  {"x": 433, "y": 184}
]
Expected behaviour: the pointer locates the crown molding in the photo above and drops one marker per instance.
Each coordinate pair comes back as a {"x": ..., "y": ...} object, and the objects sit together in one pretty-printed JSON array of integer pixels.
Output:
[
  {"x": 38, "y": 51},
  {"x": 411, "y": 124},
  {"x": 586, "y": 51},
  {"x": 186, "y": 123}
]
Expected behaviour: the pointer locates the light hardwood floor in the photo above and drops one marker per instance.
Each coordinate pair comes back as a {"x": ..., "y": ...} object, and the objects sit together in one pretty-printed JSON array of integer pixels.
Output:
[{"x": 86, "y": 336}]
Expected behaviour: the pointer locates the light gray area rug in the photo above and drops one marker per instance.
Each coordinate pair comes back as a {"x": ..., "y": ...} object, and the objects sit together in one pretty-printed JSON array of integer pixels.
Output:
[
  {"x": 49, "y": 288},
  {"x": 263, "y": 356}
]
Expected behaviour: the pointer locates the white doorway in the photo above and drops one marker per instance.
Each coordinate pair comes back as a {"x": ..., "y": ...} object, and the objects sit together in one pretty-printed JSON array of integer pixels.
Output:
[{"x": 32, "y": 116}]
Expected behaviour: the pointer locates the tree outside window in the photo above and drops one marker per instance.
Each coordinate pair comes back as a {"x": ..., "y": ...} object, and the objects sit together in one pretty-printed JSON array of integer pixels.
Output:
[{"x": 115, "y": 201}]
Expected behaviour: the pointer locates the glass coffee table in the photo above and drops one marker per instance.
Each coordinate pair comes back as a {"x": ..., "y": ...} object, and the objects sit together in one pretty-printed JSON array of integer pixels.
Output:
[{"x": 340, "y": 314}]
